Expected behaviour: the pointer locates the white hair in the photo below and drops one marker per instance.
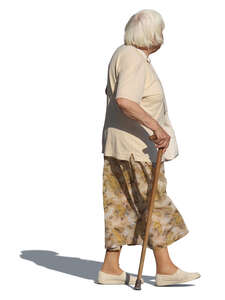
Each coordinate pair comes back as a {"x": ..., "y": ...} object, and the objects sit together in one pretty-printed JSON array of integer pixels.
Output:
[{"x": 144, "y": 29}]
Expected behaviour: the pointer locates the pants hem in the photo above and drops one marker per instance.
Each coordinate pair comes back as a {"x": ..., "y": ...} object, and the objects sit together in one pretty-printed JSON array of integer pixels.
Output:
[{"x": 176, "y": 238}]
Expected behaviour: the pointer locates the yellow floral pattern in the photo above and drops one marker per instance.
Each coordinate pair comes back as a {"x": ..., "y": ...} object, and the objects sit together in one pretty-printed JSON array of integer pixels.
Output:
[{"x": 126, "y": 185}]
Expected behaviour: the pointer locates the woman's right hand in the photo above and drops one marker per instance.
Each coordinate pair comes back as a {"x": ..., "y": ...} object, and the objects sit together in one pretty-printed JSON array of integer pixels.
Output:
[{"x": 162, "y": 138}]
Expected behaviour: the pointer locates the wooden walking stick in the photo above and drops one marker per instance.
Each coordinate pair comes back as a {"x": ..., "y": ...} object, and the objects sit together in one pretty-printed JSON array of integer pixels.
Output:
[{"x": 150, "y": 208}]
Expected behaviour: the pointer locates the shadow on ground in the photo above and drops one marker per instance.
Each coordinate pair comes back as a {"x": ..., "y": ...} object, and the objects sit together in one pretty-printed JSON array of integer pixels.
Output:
[{"x": 83, "y": 268}]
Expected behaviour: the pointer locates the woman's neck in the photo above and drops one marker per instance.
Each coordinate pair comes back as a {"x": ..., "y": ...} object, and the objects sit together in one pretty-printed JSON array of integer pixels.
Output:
[{"x": 149, "y": 51}]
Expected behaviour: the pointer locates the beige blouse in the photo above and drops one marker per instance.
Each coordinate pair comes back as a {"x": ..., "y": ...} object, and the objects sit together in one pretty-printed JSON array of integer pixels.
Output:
[{"x": 132, "y": 76}]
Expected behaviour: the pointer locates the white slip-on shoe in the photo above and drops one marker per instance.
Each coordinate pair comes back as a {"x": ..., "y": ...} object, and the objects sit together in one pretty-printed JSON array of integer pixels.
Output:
[
  {"x": 123, "y": 278},
  {"x": 178, "y": 277}
]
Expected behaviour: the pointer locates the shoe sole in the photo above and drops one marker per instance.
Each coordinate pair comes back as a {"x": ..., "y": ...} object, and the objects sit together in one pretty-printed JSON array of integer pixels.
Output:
[
  {"x": 116, "y": 282},
  {"x": 111, "y": 282},
  {"x": 129, "y": 280}
]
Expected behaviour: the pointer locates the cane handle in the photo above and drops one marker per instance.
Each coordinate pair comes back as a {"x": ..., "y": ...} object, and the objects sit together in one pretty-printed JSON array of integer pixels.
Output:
[{"x": 153, "y": 137}]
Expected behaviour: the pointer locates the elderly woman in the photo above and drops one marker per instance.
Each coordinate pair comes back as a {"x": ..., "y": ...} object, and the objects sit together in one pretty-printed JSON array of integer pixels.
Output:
[{"x": 136, "y": 108}]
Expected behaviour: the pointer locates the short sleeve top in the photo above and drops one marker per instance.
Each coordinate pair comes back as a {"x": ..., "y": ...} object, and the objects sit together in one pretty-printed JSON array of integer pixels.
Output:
[{"x": 131, "y": 75}]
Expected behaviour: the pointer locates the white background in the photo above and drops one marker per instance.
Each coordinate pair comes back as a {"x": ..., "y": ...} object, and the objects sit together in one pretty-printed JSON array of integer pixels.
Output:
[{"x": 54, "y": 58}]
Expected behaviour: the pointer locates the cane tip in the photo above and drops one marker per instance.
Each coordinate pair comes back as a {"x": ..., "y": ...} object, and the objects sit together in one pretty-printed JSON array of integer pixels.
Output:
[{"x": 137, "y": 285}]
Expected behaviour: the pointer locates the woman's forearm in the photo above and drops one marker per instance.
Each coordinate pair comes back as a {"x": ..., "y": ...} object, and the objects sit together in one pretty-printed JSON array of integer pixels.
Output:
[{"x": 134, "y": 111}]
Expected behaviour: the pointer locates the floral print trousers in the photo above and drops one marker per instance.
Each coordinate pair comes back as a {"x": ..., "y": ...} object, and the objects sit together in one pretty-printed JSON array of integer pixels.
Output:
[{"x": 126, "y": 186}]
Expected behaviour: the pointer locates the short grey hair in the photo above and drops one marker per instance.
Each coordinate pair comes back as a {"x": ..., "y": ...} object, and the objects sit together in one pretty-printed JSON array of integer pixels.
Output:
[{"x": 144, "y": 29}]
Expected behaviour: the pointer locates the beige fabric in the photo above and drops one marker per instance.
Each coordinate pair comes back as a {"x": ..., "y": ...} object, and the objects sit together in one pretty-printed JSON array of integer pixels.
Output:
[{"x": 131, "y": 75}]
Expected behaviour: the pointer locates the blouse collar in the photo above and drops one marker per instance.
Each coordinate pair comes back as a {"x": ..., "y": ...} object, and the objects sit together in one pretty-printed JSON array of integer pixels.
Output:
[{"x": 145, "y": 56}]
